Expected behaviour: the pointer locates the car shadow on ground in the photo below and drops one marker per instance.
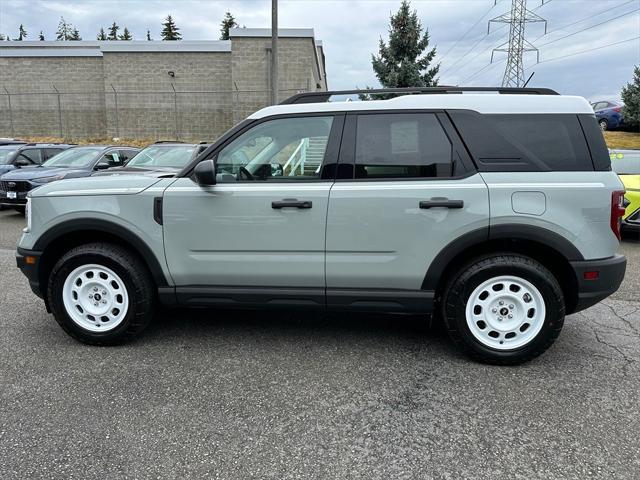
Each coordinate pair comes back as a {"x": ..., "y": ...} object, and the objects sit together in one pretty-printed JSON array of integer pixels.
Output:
[{"x": 194, "y": 324}]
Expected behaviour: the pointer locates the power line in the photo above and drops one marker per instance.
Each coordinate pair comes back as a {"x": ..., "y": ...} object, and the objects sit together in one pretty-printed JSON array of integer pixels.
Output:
[
  {"x": 517, "y": 44},
  {"x": 590, "y": 27},
  {"x": 448, "y": 69},
  {"x": 587, "y": 51},
  {"x": 467, "y": 32},
  {"x": 601, "y": 12}
]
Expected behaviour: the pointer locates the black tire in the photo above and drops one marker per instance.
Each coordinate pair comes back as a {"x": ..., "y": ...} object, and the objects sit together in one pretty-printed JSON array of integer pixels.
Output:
[
  {"x": 134, "y": 274},
  {"x": 462, "y": 284},
  {"x": 604, "y": 124},
  {"x": 20, "y": 210}
]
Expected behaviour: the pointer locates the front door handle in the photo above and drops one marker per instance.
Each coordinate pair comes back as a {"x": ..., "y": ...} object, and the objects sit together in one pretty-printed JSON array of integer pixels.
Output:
[
  {"x": 441, "y": 203},
  {"x": 291, "y": 203}
]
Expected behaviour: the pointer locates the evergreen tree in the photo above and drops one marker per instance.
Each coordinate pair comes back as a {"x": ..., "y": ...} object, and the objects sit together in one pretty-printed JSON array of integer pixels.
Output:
[
  {"x": 22, "y": 33},
  {"x": 227, "y": 23},
  {"x": 101, "y": 35},
  {"x": 64, "y": 30},
  {"x": 41, "y": 36},
  {"x": 170, "y": 30},
  {"x": 149, "y": 36},
  {"x": 113, "y": 32},
  {"x": 631, "y": 98},
  {"x": 406, "y": 61},
  {"x": 75, "y": 35},
  {"x": 126, "y": 35}
]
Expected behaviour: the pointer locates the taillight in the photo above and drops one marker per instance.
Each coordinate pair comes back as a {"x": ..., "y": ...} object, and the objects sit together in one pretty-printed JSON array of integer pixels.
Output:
[
  {"x": 617, "y": 109},
  {"x": 617, "y": 211}
]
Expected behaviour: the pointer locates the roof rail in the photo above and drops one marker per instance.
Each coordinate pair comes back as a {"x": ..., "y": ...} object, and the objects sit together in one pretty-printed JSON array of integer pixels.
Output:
[
  {"x": 167, "y": 141},
  {"x": 321, "y": 97}
]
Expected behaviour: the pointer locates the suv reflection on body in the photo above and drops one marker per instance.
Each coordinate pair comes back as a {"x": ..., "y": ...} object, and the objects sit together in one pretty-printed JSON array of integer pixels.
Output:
[
  {"x": 161, "y": 159},
  {"x": 497, "y": 213}
]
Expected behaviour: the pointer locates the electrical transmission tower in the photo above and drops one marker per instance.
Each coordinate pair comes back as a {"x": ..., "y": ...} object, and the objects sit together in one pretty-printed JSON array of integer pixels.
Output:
[{"x": 517, "y": 43}]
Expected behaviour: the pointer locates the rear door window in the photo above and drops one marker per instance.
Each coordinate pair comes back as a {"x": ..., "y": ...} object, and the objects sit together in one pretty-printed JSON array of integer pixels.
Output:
[
  {"x": 33, "y": 155},
  {"x": 411, "y": 145}
]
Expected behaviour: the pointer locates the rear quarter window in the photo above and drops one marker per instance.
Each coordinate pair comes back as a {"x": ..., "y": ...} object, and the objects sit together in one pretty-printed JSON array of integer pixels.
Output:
[{"x": 524, "y": 142}]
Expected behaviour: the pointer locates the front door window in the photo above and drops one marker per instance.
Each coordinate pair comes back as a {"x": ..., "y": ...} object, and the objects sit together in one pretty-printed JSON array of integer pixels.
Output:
[{"x": 281, "y": 149}]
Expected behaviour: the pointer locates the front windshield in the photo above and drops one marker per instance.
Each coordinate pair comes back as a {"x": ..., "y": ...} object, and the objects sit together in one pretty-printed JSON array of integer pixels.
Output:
[
  {"x": 163, "y": 156},
  {"x": 6, "y": 156},
  {"x": 74, "y": 158}
]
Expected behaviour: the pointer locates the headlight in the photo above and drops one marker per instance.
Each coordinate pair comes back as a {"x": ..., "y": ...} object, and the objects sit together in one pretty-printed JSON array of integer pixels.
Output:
[
  {"x": 48, "y": 179},
  {"x": 27, "y": 213}
]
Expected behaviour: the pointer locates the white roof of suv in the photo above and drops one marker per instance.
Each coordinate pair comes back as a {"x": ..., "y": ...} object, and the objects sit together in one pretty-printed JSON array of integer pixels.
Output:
[{"x": 482, "y": 103}]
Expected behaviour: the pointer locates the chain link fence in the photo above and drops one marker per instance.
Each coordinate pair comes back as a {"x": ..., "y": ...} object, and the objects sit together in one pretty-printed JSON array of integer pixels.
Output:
[{"x": 168, "y": 114}]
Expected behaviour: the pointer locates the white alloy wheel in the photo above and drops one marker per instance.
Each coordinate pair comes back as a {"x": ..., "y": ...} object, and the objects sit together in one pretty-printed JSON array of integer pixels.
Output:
[
  {"x": 505, "y": 312},
  {"x": 95, "y": 298}
]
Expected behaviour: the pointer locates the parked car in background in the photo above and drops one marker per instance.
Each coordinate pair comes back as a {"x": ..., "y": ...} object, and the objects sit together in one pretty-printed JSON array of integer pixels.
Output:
[
  {"x": 15, "y": 154},
  {"x": 608, "y": 114},
  {"x": 161, "y": 159},
  {"x": 28, "y": 154},
  {"x": 74, "y": 162},
  {"x": 626, "y": 163}
]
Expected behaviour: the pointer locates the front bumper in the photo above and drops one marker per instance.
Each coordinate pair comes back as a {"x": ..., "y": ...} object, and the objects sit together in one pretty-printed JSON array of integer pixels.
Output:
[
  {"x": 609, "y": 278},
  {"x": 29, "y": 263},
  {"x": 19, "y": 201}
]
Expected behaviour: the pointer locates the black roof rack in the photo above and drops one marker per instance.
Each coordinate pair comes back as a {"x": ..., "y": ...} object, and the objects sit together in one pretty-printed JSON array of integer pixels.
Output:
[
  {"x": 320, "y": 97},
  {"x": 167, "y": 141}
]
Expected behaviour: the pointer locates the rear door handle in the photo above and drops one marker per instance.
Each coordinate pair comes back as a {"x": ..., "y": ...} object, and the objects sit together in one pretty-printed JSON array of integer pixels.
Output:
[
  {"x": 292, "y": 203},
  {"x": 441, "y": 203}
]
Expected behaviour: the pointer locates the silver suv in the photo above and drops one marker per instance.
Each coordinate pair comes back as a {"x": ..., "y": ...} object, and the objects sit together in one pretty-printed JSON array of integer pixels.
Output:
[{"x": 497, "y": 213}]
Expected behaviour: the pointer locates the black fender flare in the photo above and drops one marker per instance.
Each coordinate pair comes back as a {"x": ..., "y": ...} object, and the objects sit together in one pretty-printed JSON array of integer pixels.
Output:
[
  {"x": 482, "y": 235},
  {"x": 111, "y": 228}
]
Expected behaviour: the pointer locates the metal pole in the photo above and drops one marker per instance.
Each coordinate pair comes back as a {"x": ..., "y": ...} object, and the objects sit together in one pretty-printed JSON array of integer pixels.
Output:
[
  {"x": 13, "y": 133},
  {"x": 274, "y": 52},
  {"x": 175, "y": 110},
  {"x": 115, "y": 97},
  {"x": 59, "y": 111}
]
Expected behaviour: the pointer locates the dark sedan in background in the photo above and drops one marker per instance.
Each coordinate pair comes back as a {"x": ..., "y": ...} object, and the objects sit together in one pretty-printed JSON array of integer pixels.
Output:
[
  {"x": 72, "y": 163},
  {"x": 161, "y": 159},
  {"x": 608, "y": 114}
]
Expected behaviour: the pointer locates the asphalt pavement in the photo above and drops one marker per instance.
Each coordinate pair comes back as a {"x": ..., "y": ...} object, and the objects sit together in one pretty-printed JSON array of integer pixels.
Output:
[{"x": 218, "y": 394}]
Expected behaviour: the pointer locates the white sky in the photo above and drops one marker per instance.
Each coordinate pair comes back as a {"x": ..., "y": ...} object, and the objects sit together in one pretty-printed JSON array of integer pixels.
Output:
[{"x": 350, "y": 31}]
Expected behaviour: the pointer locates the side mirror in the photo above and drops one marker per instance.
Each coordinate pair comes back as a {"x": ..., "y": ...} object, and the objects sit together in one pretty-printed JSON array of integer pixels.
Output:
[
  {"x": 102, "y": 166},
  {"x": 205, "y": 172}
]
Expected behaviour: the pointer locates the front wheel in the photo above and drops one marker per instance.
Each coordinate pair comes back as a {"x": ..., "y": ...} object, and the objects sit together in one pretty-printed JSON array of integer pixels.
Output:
[
  {"x": 504, "y": 309},
  {"x": 101, "y": 294}
]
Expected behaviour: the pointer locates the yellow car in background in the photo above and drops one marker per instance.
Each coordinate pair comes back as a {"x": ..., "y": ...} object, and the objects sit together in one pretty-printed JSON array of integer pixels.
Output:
[{"x": 626, "y": 163}]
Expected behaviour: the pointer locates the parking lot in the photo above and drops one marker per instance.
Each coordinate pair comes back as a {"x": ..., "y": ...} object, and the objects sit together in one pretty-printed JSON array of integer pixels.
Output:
[{"x": 287, "y": 395}]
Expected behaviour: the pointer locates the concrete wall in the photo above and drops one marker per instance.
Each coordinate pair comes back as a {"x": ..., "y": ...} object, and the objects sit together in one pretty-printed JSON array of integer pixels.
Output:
[
  {"x": 32, "y": 82},
  {"x": 144, "y": 112},
  {"x": 217, "y": 84}
]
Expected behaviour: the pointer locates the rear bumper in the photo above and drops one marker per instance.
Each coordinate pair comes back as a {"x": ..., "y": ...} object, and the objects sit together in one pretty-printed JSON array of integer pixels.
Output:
[
  {"x": 610, "y": 275},
  {"x": 30, "y": 270}
]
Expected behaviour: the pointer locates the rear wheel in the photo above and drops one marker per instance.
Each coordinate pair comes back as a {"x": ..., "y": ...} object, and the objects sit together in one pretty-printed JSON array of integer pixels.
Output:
[
  {"x": 503, "y": 309},
  {"x": 604, "y": 125},
  {"x": 101, "y": 294}
]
